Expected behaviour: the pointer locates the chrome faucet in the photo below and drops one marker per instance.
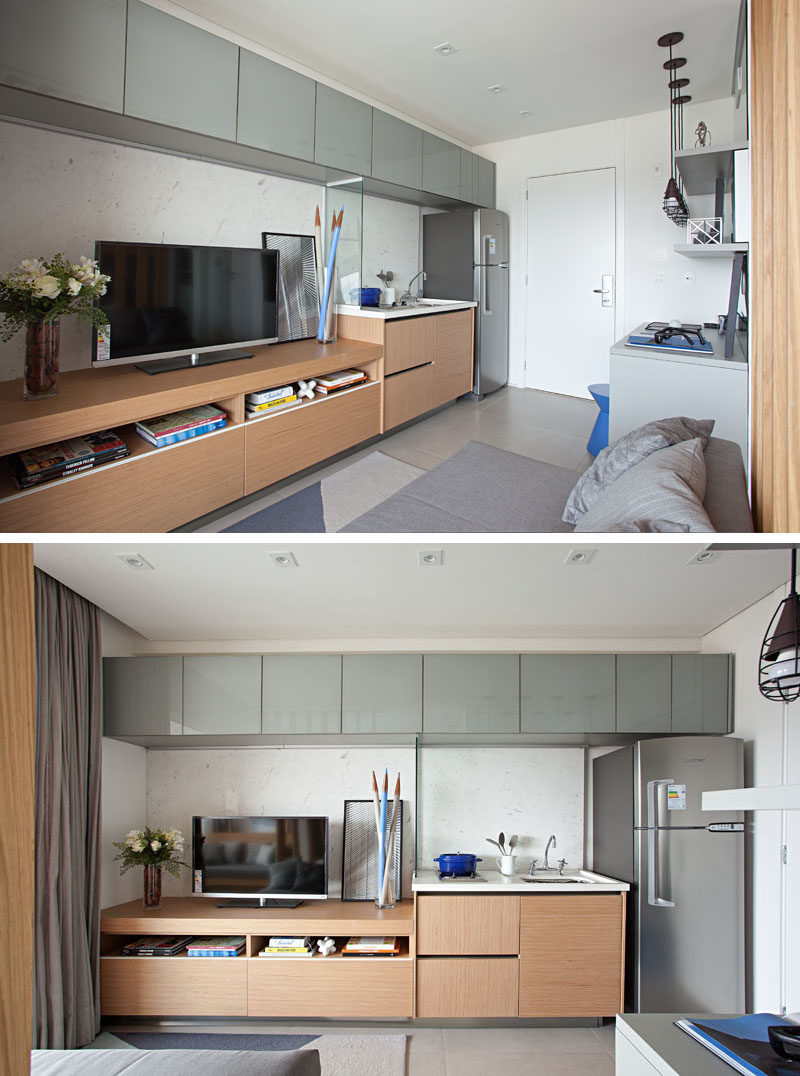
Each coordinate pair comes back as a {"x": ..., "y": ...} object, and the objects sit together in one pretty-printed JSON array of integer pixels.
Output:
[
  {"x": 561, "y": 865},
  {"x": 407, "y": 293},
  {"x": 532, "y": 868},
  {"x": 552, "y": 842}
]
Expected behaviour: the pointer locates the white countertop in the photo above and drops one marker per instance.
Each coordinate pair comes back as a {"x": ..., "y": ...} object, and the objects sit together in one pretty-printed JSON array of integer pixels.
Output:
[
  {"x": 737, "y": 362},
  {"x": 428, "y": 881},
  {"x": 387, "y": 313}
]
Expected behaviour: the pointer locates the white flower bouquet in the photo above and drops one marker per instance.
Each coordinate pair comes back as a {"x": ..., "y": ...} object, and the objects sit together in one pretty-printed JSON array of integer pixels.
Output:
[
  {"x": 43, "y": 290},
  {"x": 154, "y": 847}
]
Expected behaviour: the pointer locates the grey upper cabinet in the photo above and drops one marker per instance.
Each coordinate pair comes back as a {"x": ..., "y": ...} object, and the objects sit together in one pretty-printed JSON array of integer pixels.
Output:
[
  {"x": 276, "y": 107},
  {"x": 301, "y": 693},
  {"x": 644, "y": 693},
  {"x": 396, "y": 150},
  {"x": 222, "y": 694},
  {"x": 441, "y": 166},
  {"x": 74, "y": 49},
  {"x": 343, "y": 137},
  {"x": 700, "y": 693},
  {"x": 142, "y": 696},
  {"x": 485, "y": 193},
  {"x": 469, "y": 175},
  {"x": 569, "y": 693},
  {"x": 381, "y": 693},
  {"x": 180, "y": 75},
  {"x": 471, "y": 693}
]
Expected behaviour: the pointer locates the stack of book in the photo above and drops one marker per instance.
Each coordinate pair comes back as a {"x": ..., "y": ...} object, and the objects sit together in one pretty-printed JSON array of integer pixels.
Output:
[
  {"x": 181, "y": 425},
  {"x": 344, "y": 379},
  {"x": 64, "y": 458},
  {"x": 281, "y": 946},
  {"x": 158, "y": 945},
  {"x": 371, "y": 946},
  {"x": 216, "y": 946},
  {"x": 258, "y": 404}
]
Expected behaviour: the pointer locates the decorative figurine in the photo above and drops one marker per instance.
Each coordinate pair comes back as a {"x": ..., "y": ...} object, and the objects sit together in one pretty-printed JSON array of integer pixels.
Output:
[
  {"x": 703, "y": 134},
  {"x": 306, "y": 388},
  {"x": 326, "y": 946}
]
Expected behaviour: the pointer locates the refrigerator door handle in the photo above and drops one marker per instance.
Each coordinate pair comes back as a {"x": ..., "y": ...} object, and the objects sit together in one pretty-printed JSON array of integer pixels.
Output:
[
  {"x": 485, "y": 308},
  {"x": 652, "y": 844}
]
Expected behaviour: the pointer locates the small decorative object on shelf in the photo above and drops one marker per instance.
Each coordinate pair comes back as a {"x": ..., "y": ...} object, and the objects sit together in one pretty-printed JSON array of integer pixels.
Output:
[
  {"x": 35, "y": 295},
  {"x": 703, "y": 135},
  {"x": 326, "y": 946},
  {"x": 151, "y": 849},
  {"x": 704, "y": 230},
  {"x": 385, "y": 898}
]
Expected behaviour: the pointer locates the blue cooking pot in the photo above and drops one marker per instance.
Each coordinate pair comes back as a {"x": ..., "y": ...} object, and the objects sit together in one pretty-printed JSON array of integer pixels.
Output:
[{"x": 457, "y": 863}]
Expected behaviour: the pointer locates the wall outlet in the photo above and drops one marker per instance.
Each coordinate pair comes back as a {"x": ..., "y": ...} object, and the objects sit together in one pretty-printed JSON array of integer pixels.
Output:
[
  {"x": 689, "y": 277},
  {"x": 658, "y": 278}
]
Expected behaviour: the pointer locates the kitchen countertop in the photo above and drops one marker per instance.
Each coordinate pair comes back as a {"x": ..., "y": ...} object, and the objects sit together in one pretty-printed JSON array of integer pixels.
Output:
[
  {"x": 388, "y": 313},
  {"x": 666, "y": 1049},
  {"x": 737, "y": 362},
  {"x": 428, "y": 881}
]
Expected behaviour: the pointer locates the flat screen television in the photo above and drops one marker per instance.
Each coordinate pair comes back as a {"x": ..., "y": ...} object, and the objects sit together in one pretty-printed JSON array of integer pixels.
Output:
[
  {"x": 171, "y": 307},
  {"x": 267, "y": 861}
]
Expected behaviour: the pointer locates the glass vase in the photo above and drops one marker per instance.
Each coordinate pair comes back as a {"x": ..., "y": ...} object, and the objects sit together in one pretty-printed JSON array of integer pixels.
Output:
[
  {"x": 152, "y": 886},
  {"x": 42, "y": 340}
]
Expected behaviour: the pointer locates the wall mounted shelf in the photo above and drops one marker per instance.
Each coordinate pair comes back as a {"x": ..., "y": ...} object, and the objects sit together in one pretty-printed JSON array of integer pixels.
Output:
[
  {"x": 709, "y": 250},
  {"x": 700, "y": 168},
  {"x": 766, "y": 798}
]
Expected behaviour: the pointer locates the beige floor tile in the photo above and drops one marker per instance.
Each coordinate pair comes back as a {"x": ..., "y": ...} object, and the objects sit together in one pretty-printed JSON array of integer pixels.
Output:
[
  {"x": 425, "y": 1040},
  {"x": 420, "y": 1063},
  {"x": 529, "y": 1063},
  {"x": 521, "y": 1040},
  {"x": 605, "y": 1035}
]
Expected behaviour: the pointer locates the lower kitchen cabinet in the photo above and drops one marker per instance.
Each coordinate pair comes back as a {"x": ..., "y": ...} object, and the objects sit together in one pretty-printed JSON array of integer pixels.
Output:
[
  {"x": 467, "y": 924},
  {"x": 406, "y": 395},
  {"x": 173, "y": 986},
  {"x": 343, "y": 987},
  {"x": 572, "y": 955},
  {"x": 467, "y": 987},
  {"x": 452, "y": 356}
]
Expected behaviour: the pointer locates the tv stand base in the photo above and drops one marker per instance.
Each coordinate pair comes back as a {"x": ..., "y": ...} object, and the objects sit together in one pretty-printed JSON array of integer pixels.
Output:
[
  {"x": 186, "y": 362},
  {"x": 261, "y": 902}
]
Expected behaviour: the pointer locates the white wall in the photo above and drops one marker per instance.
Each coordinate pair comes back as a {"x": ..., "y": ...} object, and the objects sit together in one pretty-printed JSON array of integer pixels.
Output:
[
  {"x": 771, "y": 732},
  {"x": 62, "y": 192},
  {"x": 645, "y": 238}
]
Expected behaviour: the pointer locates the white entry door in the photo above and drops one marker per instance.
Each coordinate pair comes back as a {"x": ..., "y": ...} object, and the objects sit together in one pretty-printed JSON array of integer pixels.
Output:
[{"x": 571, "y": 280}]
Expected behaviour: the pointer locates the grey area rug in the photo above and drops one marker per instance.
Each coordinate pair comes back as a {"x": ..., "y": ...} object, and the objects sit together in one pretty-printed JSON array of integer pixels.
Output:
[
  {"x": 340, "y": 1054},
  {"x": 333, "y": 502}
]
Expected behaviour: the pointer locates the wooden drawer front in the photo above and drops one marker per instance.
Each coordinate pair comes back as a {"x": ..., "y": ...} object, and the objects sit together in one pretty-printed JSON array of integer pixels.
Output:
[
  {"x": 342, "y": 987},
  {"x": 407, "y": 395},
  {"x": 152, "y": 492},
  {"x": 407, "y": 342},
  {"x": 571, "y": 955},
  {"x": 449, "y": 988},
  {"x": 470, "y": 924},
  {"x": 281, "y": 445},
  {"x": 173, "y": 986},
  {"x": 452, "y": 356}
]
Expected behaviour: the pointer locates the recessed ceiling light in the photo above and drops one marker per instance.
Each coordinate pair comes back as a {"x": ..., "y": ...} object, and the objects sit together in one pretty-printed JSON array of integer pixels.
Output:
[
  {"x": 445, "y": 49},
  {"x": 496, "y": 89},
  {"x": 703, "y": 557},
  {"x": 431, "y": 558},
  {"x": 283, "y": 559},
  {"x": 579, "y": 555},
  {"x": 136, "y": 561}
]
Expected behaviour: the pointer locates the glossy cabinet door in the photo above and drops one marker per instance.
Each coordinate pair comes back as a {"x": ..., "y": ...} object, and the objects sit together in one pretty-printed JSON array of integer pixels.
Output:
[
  {"x": 567, "y": 693},
  {"x": 74, "y": 49},
  {"x": 222, "y": 694},
  {"x": 485, "y": 192},
  {"x": 343, "y": 136},
  {"x": 471, "y": 693},
  {"x": 180, "y": 75},
  {"x": 441, "y": 166},
  {"x": 142, "y": 696},
  {"x": 396, "y": 150},
  {"x": 469, "y": 175},
  {"x": 700, "y": 693},
  {"x": 381, "y": 693},
  {"x": 277, "y": 107},
  {"x": 301, "y": 693},
  {"x": 644, "y": 693}
]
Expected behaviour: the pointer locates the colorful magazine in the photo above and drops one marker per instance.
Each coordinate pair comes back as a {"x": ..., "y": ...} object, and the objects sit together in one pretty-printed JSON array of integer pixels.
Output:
[
  {"x": 158, "y": 945},
  {"x": 181, "y": 435},
  {"x": 52, "y": 459},
  {"x": 180, "y": 420},
  {"x": 743, "y": 1042}
]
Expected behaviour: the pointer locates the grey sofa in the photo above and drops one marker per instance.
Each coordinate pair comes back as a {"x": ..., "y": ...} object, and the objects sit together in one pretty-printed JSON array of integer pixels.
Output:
[{"x": 486, "y": 489}]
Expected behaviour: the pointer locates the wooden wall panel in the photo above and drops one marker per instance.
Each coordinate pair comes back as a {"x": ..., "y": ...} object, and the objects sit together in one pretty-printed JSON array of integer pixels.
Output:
[
  {"x": 17, "y": 723},
  {"x": 775, "y": 263}
]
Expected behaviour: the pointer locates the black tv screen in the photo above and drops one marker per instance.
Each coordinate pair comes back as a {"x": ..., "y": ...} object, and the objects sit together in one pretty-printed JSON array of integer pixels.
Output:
[
  {"x": 167, "y": 302},
  {"x": 260, "y": 857}
]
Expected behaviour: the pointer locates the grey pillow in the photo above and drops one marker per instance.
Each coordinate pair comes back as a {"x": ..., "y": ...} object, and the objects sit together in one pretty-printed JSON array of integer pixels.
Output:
[
  {"x": 649, "y": 526},
  {"x": 176, "y": 1062},
  {"x": 626, "y": 452},
  {"x": 669, "y": 485}
]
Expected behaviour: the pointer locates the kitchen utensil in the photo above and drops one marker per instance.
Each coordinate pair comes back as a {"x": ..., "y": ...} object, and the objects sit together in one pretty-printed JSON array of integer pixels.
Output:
[
  {"x": 388, "y": 297},
  {"x": 370, "y": 296},
  {"x": 457, "y": 863},
  {"x": 512, "y": 844},
  {"x": 501, "y": 840},
  {"x": 494, "y": 842},
  {"x": 507, "y": 865}
]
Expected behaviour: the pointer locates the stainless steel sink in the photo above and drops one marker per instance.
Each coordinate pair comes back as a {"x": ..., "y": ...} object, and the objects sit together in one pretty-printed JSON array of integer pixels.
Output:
[{"x": 560, "y": 881}]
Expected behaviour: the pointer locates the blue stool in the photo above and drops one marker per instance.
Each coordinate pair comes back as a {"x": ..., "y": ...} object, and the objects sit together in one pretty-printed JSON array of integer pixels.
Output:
[{"x": 598, "y": 438}]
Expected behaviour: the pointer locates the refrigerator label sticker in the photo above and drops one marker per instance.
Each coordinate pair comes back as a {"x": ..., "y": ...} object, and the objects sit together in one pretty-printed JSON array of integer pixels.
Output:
[
  {"x": 492, "y": 245},
  {"x": 676, "y": 797}
]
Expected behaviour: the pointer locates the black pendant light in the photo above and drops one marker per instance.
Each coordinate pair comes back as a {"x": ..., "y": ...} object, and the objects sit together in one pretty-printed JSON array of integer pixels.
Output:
[
  {"x": 779, "y": 666},
  {"x": 674, "y": 202}
]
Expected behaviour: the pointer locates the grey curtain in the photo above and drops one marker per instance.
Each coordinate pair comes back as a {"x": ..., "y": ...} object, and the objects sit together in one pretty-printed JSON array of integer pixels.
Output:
[{"x": 66, "y": 1001}]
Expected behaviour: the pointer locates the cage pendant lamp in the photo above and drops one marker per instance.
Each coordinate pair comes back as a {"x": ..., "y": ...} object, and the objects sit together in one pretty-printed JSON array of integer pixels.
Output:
[
  {"x": 779, "y": 665},
  {"x": 674, "y": 202}
]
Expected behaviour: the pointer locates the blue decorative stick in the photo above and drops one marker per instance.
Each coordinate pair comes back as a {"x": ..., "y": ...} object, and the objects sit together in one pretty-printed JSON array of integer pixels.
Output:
[
  {"x": 326, "y": 295},
  {"x": 382, "y": 835}
]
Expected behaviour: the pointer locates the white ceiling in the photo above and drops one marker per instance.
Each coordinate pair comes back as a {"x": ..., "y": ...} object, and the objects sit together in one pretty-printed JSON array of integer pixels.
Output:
[
  {"x": 232, "y": 590},
  {"x": 570, "y": 61}
]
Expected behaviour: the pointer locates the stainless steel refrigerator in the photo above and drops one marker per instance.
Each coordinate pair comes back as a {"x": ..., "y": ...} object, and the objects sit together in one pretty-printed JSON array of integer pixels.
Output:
[
  {"x": 465, "y": 256},
  {"x": 685, "y": 936}
]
